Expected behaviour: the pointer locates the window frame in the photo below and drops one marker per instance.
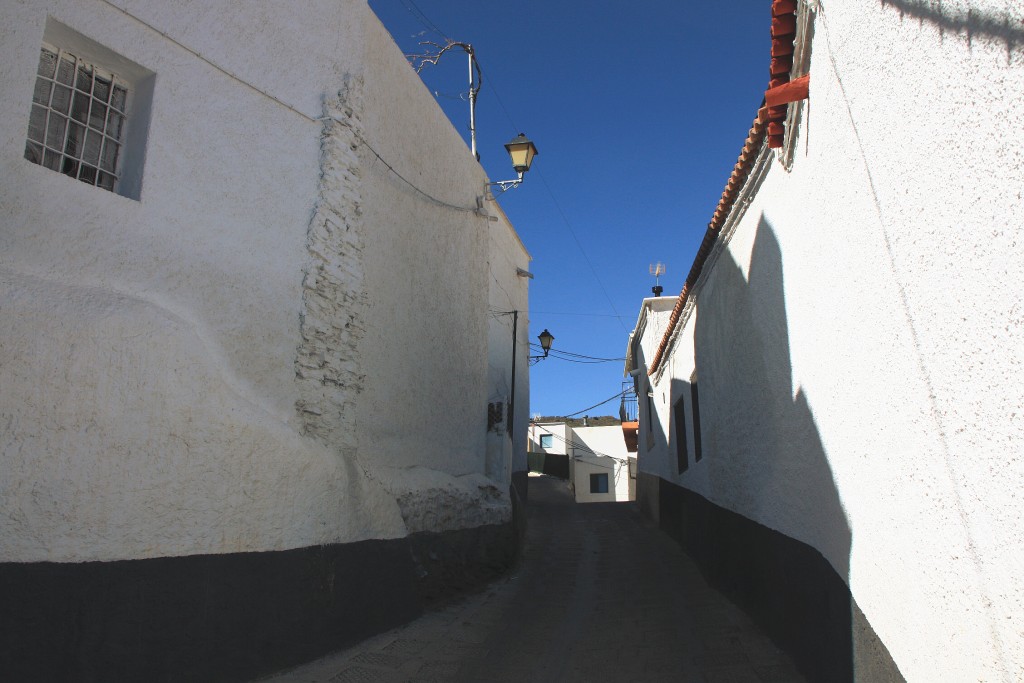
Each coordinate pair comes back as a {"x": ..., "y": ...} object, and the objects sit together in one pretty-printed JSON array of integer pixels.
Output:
[
  {"x": 57, "y": 146},
  {"x": 695, "y": 413},
  {"x": 679, "y": 435},
  {"x": 596, "y": 477},
  {"x": 805, "y": 15},
  {"x": 547, "y": 441},
  {"x": 140, "y": 85}
]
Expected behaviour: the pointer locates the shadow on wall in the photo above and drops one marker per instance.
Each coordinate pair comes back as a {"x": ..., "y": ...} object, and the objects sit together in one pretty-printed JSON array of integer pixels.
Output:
[
  {"x": 763, "y": 453},
  {"x": 551, "y": 464},
  {"x": 973, "y": 22},
  {"x": 654, "y": 434}
]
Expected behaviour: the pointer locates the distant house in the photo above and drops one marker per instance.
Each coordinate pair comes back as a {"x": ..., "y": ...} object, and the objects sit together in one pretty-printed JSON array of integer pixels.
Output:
[
  {"x": 830, "y": 413},
  {"x": 248, "y": 356},
  {"x": 601, "y": 469},
  {"x": 599, "y": 466},
  {"x": 549, "y": 447}
]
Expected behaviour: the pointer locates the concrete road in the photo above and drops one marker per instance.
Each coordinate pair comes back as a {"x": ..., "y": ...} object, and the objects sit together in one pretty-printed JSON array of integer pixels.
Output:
[{"x": 600, "y": 595}]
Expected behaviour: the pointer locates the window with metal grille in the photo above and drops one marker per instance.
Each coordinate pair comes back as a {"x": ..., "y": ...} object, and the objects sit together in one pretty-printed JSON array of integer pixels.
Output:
[
  {"x": 78, "y": 119},
  {"x": 695, "y": 405},
  {"x": 679, "y": 417}
]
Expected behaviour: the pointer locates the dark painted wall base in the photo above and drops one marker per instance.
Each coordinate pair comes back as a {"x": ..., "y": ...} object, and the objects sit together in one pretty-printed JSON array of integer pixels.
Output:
[
  {"x": 519, "y": 493},
  {"x": 452, "y": 562},
  {"x": 227, "y": 617},
  {"x": 786, "y": 586}
]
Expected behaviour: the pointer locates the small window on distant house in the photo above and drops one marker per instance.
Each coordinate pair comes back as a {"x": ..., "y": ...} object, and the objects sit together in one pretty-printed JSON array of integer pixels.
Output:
[
  {"x": 679, "y": 417},
  {"x": 599, "y": 483},
  {"x": 547, "y": 440},
  {"x": 78, "y": 119},
  {"x": 90, "y": 112}
]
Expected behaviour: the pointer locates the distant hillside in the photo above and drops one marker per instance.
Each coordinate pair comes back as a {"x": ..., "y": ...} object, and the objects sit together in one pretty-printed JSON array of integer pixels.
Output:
[{"x": 601, "y": 421}]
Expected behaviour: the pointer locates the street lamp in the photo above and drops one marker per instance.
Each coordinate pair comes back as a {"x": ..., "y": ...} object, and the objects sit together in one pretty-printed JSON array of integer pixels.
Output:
[
  {"x": 545, "y": 341},
  {"x": 522, "y": 150},
  {"x": 545, "y": 338}
]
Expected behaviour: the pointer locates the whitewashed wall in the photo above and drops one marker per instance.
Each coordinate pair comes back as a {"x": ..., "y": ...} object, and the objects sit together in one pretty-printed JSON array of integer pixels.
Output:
[
  {"x": 155, "y": 398},
  {"x": 601, "y": 450},
  {"x": 508, "y": 292},
  {"x": 560, "y": 439},
  {"x": 652, "y": 440},
  {"x": 857, "y": 341}
]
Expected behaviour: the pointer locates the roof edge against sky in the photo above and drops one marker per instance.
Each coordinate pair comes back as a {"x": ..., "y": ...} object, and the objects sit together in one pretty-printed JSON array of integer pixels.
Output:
[
  {"x": 740, "y": 173},
  {"x": 768, "y": 128}
]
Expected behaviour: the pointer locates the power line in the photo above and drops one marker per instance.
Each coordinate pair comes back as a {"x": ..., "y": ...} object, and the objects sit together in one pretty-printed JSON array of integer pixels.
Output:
[
  {"x": 579, "y": 245},
  {"x": 559, "y": 352},
  {"x": 423, "y": 18},
  {"x": 612, "y": 398},
  {"x": 591, "y": 315},
  {"x": 565, "y": 219},
  {"x": 411, "y": 6},
  {"x": 434, "y": 200},
  {"x": 580, "y": 446}
]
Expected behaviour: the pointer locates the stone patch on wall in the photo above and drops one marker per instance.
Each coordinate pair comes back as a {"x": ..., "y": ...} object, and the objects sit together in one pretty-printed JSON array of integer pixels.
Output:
[
  {"x": 436, "y": 501},
  {"x": 333, "y": 300}
]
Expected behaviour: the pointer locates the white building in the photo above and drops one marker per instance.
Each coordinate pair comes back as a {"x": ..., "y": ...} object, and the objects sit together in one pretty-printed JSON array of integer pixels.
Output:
[
  {"x": 508, "y": 403},
  {"x": 851, "y": 467},
  {"x": 600, "y": 468},
  {"x": 551, "y": 437},
  {"x": 238, "y": 241}
]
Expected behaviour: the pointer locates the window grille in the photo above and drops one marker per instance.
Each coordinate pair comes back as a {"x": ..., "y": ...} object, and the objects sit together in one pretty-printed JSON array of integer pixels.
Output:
[
  {"x": 682, "y": 456},
  {"x": 695, "y": 404},
  {"x": 78, "y": 119}
]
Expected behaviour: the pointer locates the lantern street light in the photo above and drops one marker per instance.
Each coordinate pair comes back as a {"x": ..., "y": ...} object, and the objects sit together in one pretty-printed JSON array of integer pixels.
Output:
[
  {"x": 522, "y": 150},
  {"x": 545, "y": 338},
  {"x": 545, "y": 341}
]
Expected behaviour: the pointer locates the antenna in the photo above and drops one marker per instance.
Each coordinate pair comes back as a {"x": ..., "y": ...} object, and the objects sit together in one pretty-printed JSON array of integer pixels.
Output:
[{"x": 657, "y": 270}]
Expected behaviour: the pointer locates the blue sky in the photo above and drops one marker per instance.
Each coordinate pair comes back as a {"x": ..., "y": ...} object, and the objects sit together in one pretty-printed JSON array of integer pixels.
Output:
[{"x": 638, "y": 109}]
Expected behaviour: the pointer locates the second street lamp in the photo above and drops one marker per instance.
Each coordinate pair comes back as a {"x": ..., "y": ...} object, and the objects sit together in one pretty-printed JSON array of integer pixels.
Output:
[{"x": 545, "y": 338}]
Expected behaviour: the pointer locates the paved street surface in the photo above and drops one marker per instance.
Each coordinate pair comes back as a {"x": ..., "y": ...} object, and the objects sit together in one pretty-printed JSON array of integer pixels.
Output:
[{"x": 600, "y": 595}]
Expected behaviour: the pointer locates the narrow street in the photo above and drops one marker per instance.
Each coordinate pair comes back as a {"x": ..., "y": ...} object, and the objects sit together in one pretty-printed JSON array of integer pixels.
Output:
[{"x": 599, "y": 595}]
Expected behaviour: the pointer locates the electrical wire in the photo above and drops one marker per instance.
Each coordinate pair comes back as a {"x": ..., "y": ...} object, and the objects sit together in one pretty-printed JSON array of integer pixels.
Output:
[
  {"x": 579, "y": 245},
  {"x": 590, "y": 315},
  {"x": 431, "y": 198},
  {"x": 423, "y": 18},
  {"x": 573, "y": 360},
  {"x": 427, "y": 23},
  {"x": 575, "y": 445},
  {"x": 612, "y": 398},
  {"x": 565, "y": 219},
  {"x": 576, "y": 355}
]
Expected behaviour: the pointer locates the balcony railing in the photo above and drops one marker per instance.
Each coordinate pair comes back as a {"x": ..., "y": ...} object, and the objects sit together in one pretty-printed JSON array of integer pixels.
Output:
[{"x": 628, "y": 407}]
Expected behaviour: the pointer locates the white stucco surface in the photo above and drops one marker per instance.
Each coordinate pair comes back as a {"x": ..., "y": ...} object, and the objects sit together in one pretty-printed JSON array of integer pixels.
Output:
[
  {"x": 508, "y": 292},
  {"x": 256, "y": 353},
  {"x": 601, "y": 450},
  {"x": 560, "y": 432},
  {"x": 856, "y": 342}
]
